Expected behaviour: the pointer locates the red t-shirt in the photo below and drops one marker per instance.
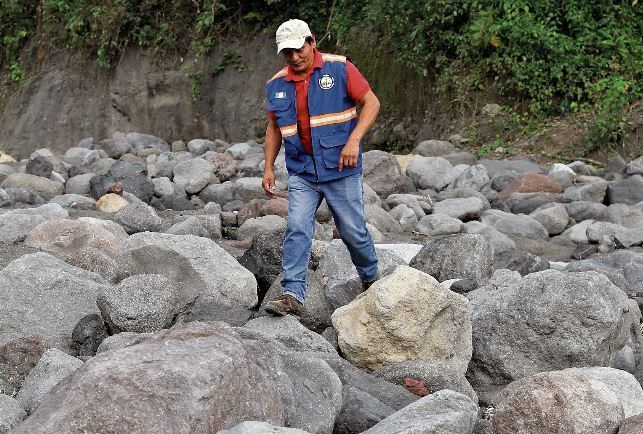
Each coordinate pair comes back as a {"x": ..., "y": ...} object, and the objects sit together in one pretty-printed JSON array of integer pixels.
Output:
[{"x": 357, "y": 88}]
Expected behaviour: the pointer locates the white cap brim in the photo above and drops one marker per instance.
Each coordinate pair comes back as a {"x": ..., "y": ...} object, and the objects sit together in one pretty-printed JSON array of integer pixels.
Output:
[{"x": 295, "y": 43}]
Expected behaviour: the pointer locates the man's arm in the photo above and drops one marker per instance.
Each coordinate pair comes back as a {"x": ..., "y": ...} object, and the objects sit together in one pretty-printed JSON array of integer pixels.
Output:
[
  {"x": 370, "y": 108},
  {"x": 271, "y": 146}
]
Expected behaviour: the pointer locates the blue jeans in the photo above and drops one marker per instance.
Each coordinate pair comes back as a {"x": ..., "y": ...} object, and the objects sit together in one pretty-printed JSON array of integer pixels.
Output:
[{"x": 346, "y": 203}]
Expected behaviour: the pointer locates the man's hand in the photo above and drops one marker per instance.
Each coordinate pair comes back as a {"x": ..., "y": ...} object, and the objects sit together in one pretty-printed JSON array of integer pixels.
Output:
[
  {"x": 268, "y": 183},
  {"x": 350, "y": 154}
]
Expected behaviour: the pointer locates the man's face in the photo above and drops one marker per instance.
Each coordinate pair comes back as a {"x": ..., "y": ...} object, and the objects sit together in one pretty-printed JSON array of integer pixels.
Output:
[{"x": 300, "y": 60}]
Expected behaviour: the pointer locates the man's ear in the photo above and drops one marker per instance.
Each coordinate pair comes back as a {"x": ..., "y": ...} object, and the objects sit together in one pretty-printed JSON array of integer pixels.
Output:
[{"x": 314, "y": 42}]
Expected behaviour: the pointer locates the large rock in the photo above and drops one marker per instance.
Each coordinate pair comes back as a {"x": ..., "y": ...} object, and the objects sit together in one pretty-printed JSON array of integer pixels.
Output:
[
  {"x": 435, "y": 375},
  {"x": 143, "y": 142},
  {"x": 514, "y": 225},
  {"x": 520, "y": 165},
  {"x": 196, "y": 378},
  {"x": 165, "y": 163},
  {"x": 404, "y": 317},
  {"x": 522, "y": 262},
  {"x": 442, "y": 412},
  {"x": 138, "y": 217},
  {"x": 290, "y": 332},
  {"x": 141, "y": 304},
  {"x": 203, "y": 272},
  {"x": 524, "y": 203},
  {"x": 628, "y": 191},
  {"x": 11, "y": 413},
  {"x": 246, "y": 189},
  {"x": 474, "y": 177},
  {"x": 624, "y": 268},
  {"x": 571, "y": 401},
  {"x": 111, "y": 203},
  {"x": 67, "y": 236},
  {"x": 45, "y": 187},
  {"x": 46, "y": 297},
  {"x": 499, "y": 241},
  {"x": 381, "y": 219},
  {"x": 383, "y": 174},
  {"x": 591, "y": 192},
  {"x": 460, "y": 208},
  {"x": 270, "y": 224},
  {"x": 253, "y": 427},
  {"x": 52, "y": 368},
  {"x": 433, "y": 148},
  {"x": 430, "y": 172},
  {"x": 114, "y": 148},
  {"x": 545, "y": 321},
  {"x": 16, "y": 224},
  {"x": 459, "y": 256},
  {"x": 439, "y": 224},
  {"x": 193, "y": 175},
  {"x": 623, "y": 215},
  {"x": 583, "y": 210},
  {"x": 342, "y": 281},
  {"x": 552, "y": 216},
  {"x": 360, "y": 411}
]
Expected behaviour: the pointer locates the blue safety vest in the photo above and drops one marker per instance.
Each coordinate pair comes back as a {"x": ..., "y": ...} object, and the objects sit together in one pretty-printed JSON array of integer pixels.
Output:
[{"x": 333, "y": 117}]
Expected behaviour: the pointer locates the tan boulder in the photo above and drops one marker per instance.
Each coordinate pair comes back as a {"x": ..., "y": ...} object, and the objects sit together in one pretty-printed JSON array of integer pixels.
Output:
[
  {"x": 406, "y": 315},
  {"x": 111, "y": 203},
  {"x": 404, "y": 160},
  {"x": 46, "y": 188},
  {"x": 66, "y": 236},
  {"x": 6, "y": 158}
]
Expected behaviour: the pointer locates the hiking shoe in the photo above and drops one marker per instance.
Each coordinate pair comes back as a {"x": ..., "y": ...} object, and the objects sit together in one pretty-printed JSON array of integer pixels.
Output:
[
  {"x": 283, "y": 305},
  {"x": 366, "y": 285}
]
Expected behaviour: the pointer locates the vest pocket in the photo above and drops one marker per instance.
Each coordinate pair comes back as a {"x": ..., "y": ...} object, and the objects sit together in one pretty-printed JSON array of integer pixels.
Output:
[
  {"x": 278, "y": 104},
  {"x": 331, "y": 147}
]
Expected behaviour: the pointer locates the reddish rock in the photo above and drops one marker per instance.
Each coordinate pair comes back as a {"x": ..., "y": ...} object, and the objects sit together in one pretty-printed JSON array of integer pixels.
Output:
[
  {"x": 116, "y": 188},
  {"x": 223, "y": 166},
  {"x": 17, "y": 358},
  {"x": 417, "y": 387},
  {"x": 530, "y": 183},
  {"x": 250, "y": 210},
  {"x": 278, "y": 206},
  {"x": 632, "y": 425}
]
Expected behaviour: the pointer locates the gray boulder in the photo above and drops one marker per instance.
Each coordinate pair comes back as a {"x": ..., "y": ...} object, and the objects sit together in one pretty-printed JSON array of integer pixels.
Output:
[
  {"x": 246, "y": 189},
  {"x": 360, "y": 411},
  {"x": 583, "y": 210},
  {"x": 76, "y": 201},
  {"x": 436, "y": 375},
  {"x": 405, "y": 216},
  {"x": 218, "y": 193},
  {"x": 270, "y": 224},
  {"x": 597, "y": 231},
  {"x": 290, "y": 332},
  {"x": 524, "y": 203},
  {"x": 383, "y": 174},
  {"x": 442, "y": 412},
  {"x": 114, "y": 148},
  {"x": 623, "y": 215},
  {"x": 342, "y": 281},
  {"x": 439, "y": 224},
  {"x": 590, "y": 192},
  {"x": 5, "y": 199},
  {"x": 415, "y": 202},
  {"x": 459, "y": 256},
  {"x": 522, "y": 262},
  {"x": 140, "y": 304},
  {"x": 11, "y": 413},
  {"x": 545, "y": 321},
  {"x": 238, "y": 151},
  {"x": 575, "y": 400},
  {"x": 552, "y": 216},
  {"x": 16, "y": 224},
  {"x": 430, "y": 172},
  {"x": 500, "y": 241},
  {"x": 46, "y": 297},
  {"x": 53, "y": 367},
  {"x": 628, "y": 191},
  {"x": 474, "y": 177},
  {"x": 382, "y": 220},
  {"x": 23, "y": 196},
  {"x": 17, "y": 359},
  {"x": 624, "y": 268},
  {"x": 462, "y": 209},
  {"x": 5, "y": 170},
  {"x": 253, "y": 427},
  {"x": 262, "y": 380},
  {"x": 200, "y": 146},
  {"x": 193, "y": 175},
  {"x": 203, "y": 273},
  {"x": 166, "y": 162},
  {"x": 45, "y": 187},
  {"x": 433, "y": 148},
  {"x": 144, "y": 142},
  {"x": 190, "y": 226},
  {"x": 138, "y": 217},
  {"x": 516, "y": 225},
  {"x": 516, "y": 164}
]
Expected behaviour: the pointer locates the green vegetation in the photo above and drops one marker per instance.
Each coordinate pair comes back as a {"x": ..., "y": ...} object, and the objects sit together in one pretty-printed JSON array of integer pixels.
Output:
[{"x": 548, "y": 57}]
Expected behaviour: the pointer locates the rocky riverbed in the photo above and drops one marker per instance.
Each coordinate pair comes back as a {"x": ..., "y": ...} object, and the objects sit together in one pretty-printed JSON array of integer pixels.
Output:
[{"x": 133, "y": 271}]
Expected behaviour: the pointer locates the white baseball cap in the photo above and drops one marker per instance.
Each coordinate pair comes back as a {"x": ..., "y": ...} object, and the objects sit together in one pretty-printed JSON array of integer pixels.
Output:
[{"x": 292, "y": 34}]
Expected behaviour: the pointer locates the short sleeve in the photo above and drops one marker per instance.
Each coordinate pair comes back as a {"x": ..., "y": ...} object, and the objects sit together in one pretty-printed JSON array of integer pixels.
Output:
[{"x": 357, "y": 84}]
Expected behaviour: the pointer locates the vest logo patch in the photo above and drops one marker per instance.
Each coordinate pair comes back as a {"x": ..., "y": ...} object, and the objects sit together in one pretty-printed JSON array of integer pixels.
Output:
[
  {"x": 280, "y": 95},
  {"x": 326, "y": 81}
]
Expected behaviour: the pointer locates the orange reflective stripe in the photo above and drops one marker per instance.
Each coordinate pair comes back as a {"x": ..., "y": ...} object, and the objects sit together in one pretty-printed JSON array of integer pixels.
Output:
[
  {"x": 333, "y": 58},
  {"x": 281, "y": 73},
  {"x": 333, "y": 118},
  {"x": 288, "y": 131}
]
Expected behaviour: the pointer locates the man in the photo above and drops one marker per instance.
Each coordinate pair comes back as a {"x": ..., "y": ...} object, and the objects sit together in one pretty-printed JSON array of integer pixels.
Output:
[{"x": 311, "y": 104}]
